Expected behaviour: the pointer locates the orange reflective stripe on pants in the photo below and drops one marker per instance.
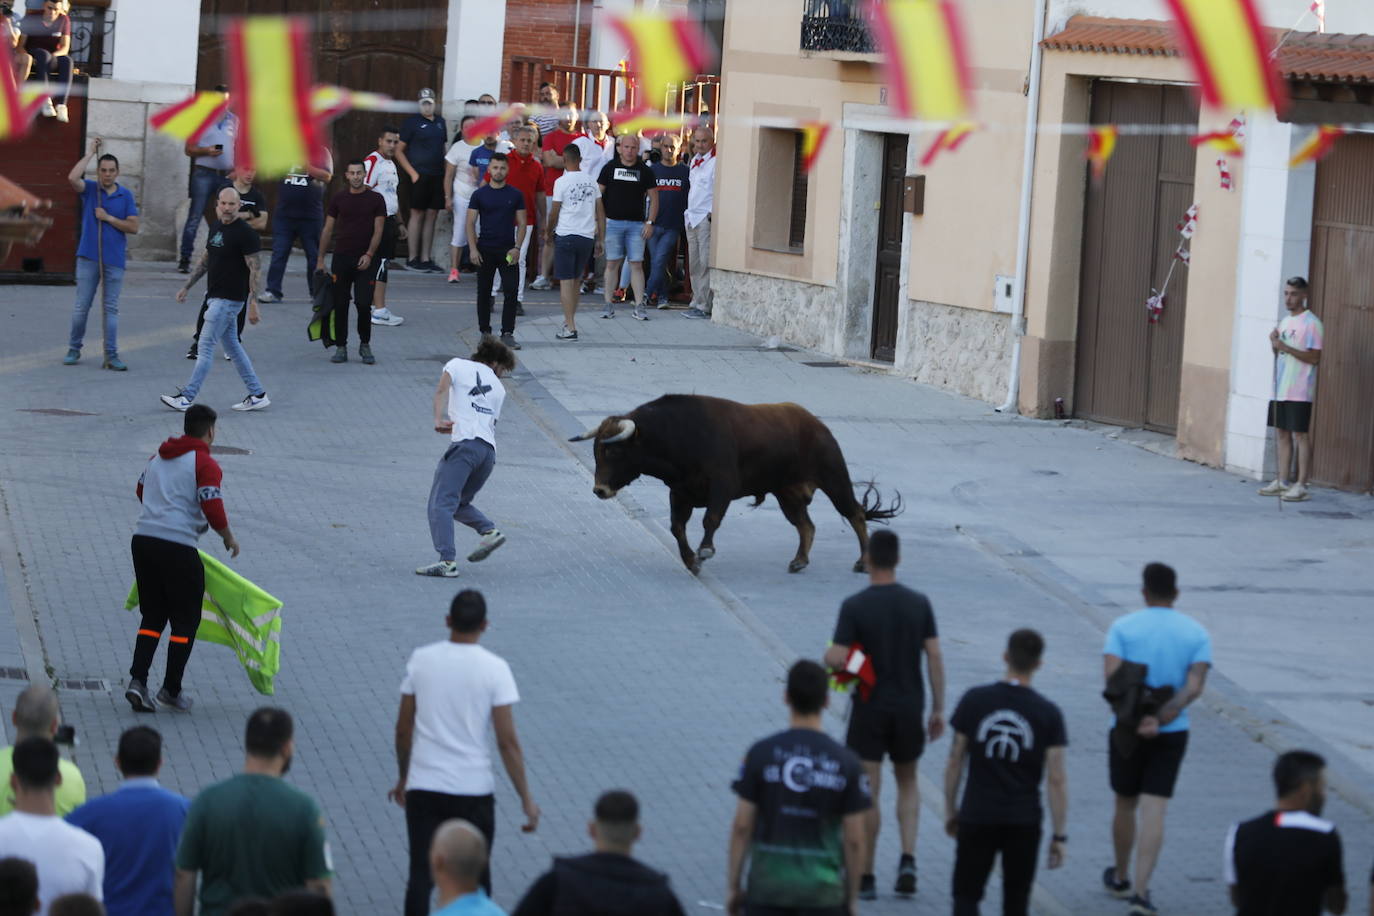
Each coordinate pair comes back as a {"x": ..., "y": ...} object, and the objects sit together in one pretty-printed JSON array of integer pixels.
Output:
[{"x": 153, "y": 633}]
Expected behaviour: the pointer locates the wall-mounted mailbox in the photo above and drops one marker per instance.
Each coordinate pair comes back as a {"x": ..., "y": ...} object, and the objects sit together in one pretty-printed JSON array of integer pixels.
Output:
[{"x": 914, "y": 194}]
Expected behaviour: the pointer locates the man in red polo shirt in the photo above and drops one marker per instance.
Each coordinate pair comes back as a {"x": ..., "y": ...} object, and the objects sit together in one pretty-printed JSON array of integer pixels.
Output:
[
  {"x": 555, "y": 141},
  {"x": 526, "y": 176}
]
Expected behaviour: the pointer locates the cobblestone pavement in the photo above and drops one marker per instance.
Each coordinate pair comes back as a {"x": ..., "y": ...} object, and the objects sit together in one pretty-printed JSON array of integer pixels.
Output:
[{"x": 634, "y": 673}]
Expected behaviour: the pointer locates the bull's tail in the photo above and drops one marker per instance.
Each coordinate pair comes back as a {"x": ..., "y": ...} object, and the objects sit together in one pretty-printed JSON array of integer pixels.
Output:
[{"x": 872, "y": 503}]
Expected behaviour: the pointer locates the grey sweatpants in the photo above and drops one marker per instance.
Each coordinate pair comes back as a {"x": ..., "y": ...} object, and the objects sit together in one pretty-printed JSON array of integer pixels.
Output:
[{"x": 460, "y": 474}]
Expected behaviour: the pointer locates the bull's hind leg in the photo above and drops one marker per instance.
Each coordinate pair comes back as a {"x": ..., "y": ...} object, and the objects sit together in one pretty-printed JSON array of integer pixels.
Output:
[
  {"x": 681, "y": 511},
  {"x": 793, "y": 507},
  {"x": 842, "y": 497}
]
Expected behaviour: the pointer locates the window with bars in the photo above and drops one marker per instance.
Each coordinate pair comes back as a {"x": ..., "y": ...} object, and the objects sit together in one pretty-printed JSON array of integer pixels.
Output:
[{"x": 781, "y": 192}]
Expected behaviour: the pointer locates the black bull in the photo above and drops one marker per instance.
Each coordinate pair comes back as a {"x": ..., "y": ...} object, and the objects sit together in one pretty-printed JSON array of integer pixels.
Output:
[{"x": 710, "y": 451}]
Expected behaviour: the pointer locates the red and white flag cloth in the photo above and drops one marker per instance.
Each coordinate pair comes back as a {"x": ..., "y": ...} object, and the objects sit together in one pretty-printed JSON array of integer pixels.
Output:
[
  {"x": 1227, "y": 182},
  {"x": 1237, "y": 127},
  {"x": 1319, "y": 10},
  {"x": 1155, "y": 306},
  {"x": 1184, "y": 255},
  {"x": 1188, "y": 226}
]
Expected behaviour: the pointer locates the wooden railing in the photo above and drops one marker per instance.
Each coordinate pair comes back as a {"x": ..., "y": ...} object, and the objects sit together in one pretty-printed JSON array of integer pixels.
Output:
[{"x": 605, "y": 90}]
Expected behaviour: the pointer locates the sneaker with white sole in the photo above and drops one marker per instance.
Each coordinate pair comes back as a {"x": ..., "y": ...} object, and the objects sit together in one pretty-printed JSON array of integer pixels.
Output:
[
  {"x": 490, "y": 541},
  {"x": 49, "y": 111},
  {"x": 138, "y": 696},
  {"x": 695, "y": 313},
  {"x": 1142, "y": 906},
  {"x": 176, "y": 402},
  {"x": 384, "y": 317},
  {"x": 270, "y": 297},
  {"x": 253, "y": 402},
  {"x": 541, "y": 283},
  {"x": 1297, "y": 493},
  {"x": 60, "y": 112},
  {"x": 181, "y": 702},
  {"x": 639, "y": 314},
  {"x": 453, "y": 276},
  {"x": 1274, "y": 488},
  {"x": 566, "y": 334},
  {"x": 608, "y": 312},
  {"x": 446, "y": 569}
]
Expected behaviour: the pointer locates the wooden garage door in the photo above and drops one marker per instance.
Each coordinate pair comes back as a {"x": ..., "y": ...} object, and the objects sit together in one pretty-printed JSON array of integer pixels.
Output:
[
  {"x": 1343, "y": 297},
  {"x": 1127, "y": 370}
]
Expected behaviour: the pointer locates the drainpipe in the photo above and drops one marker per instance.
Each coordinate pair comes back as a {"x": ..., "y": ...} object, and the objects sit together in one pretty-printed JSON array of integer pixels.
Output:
[
  {"x": 1018, "y": 315},
  {"x": 577, "y": 33}
]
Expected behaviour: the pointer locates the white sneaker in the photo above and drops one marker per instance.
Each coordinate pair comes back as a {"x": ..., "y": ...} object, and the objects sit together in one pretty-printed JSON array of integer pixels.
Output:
[
  {"x": 541, "y": 283},
  {"x": 1273, "y": 488},
  {"x": 566, "y": 334},
  {"x": 269, "y": 297},
  {"x": 61, "y": 113},
  {"x": 176, "y": 402},
  {"x": 446, "y": 569},
  {"x": 1295, "y": 494},
  {"x": 384, "y": 317},
  {"x": 253, "y": 402},
  {"x": 490, "y": 541},
  {"x": 48, "y": 110}
]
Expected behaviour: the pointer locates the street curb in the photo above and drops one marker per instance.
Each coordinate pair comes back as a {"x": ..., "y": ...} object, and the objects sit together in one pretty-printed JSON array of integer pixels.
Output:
[{"x": 16, "y": 597}]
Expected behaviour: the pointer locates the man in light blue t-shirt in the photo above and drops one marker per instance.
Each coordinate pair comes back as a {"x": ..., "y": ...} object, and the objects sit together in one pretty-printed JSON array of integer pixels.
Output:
[
  {"x": 1177, "y": 653},
  {"x": 457, "y": 859}
]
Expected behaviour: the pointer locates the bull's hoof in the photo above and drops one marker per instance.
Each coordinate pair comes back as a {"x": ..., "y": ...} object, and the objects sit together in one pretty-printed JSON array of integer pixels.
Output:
[
  {"x": 859, "y": 566},
  {"x": 796, "y": 566},
  {"x": 706, "y": 553},
  {"x": 694, "y": 567}
]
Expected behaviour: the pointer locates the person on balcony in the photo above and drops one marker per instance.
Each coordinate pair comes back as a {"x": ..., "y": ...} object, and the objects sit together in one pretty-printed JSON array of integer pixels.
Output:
[
  {"x": 47, "y": 38},
  {"x": 10, "y": 35}
]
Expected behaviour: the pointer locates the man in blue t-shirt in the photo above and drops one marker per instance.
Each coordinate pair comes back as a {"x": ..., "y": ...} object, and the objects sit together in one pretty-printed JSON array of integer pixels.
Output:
[
  {"x": 108, "y": 214},
  {"x": 673, "y": 178},
  {"x": 1177, "y": 653},
  {"x": 499, "y": 210},
  {"x": 139, "y": 825},
  {"x": 420, "y": 154}
]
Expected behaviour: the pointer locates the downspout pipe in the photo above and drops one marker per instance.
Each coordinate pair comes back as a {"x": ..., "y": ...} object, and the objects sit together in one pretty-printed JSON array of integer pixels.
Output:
[{"x": 1018, "y": 315}]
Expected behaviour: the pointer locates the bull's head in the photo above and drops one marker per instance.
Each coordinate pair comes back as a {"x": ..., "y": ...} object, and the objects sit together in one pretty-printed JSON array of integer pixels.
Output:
[{"x": 618, "y": 455}]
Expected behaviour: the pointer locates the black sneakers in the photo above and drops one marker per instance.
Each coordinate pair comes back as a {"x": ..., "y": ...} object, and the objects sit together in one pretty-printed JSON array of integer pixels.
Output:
[
  {"x": 1121, "y": 890},
  {"x": 868, "y": 887},
  {"x": 906, "y": 877}
]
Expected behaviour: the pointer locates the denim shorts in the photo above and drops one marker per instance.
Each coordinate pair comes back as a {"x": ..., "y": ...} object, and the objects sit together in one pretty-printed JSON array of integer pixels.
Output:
[
  {"x": 570, "y": 256},
  {"x": 624, "y": 240}
]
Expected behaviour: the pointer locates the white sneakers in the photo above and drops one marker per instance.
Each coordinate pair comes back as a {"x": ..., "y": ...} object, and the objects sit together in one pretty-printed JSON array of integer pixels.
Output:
[
  {"x": 253, "y": 402},
  {"x": 1296, "y": 493},
  {"x": 176, "y": 402},
  {"x": 384, "y": 317},
  {"x": 60, "y": 112},
  {"x": 1273, "y": 488},
  {"x": 49, "y": 110},
  {"x": 541, "y": 282},
  {"x": 489, "y": 542}
]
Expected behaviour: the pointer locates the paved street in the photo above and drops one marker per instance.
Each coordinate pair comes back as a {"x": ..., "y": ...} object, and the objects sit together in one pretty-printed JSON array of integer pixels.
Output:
[{"x": 632, "y": 672}]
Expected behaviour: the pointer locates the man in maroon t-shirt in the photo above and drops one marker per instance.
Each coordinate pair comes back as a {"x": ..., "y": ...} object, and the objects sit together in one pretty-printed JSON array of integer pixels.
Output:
[
  {"x": 354, "y": 220},
  {"x": 526, "y": 175},
  {"x": 555, "y": 141}
]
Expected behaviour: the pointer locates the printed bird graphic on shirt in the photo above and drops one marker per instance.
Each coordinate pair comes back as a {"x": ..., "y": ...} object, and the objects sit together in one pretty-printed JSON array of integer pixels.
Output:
[{"x": 479, "y": 390}]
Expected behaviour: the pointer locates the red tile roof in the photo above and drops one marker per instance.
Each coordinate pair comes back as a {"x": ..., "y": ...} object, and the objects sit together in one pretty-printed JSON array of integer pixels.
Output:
[{"x": 1303, "y": 56}]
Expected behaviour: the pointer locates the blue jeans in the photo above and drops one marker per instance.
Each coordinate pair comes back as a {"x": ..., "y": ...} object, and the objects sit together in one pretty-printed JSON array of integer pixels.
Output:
[
  {"x": 203, "y": 184},
  {"x": 624, "y": 240},
  {"x": 87, "y": 276},
  {"x": 221, "y": 316},
  {"x": 460, "y": 474},
  {"x": 662, "y": 254},
  {"x": 47, "y": 65},
  {"x": 285, "y": 231}
]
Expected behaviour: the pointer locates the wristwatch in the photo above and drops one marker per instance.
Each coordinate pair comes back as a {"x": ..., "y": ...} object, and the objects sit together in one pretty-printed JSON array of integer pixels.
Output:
[{"x": 1059, "y": 838}]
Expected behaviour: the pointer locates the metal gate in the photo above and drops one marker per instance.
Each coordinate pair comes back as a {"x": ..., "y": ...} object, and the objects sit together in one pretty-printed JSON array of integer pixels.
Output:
[
  {"x": 1128, "y": 370},
  {"x": 1343, "y": 297},
  {"x": 887, "y": 274}
]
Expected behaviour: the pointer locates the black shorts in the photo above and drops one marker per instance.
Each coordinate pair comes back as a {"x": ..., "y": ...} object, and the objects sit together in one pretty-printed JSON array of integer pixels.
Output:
[
  {"x": 427, "y": 193},
  {"x": 571, "y": 254},
  {"x": 1151, "y": 770},
  {"x": 386, "y": 248},
  {"x": 1294, "y": 416},
  {"x": 892, "y": 731}
]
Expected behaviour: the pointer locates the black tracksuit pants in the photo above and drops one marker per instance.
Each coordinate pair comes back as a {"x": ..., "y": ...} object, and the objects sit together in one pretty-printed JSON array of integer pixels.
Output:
[{"x": 171, "y": 585}]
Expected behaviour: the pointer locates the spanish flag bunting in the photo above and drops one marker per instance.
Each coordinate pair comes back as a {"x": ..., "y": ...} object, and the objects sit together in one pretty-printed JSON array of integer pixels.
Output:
[
  {"x": 271, "y": 75},
  {"x": 18, "y": 107},
  {"x": 188, "y": 118},
  {"x": 329, "y": 102},
  {"x": 949, "y": 140},
  {"x": 924, "y": 57},
  {"x": 491, "y": 124},
  {"x": 1317, "y": 145},
  {"x": 813, "y": 138},
  {"x": 1101, "y": 145},
  {"x": 1230, "y": 56},
  {"x": 665, "y": 50},
  {"x": 1223, "y": 141},
  {"x": 651, "y": 123}
]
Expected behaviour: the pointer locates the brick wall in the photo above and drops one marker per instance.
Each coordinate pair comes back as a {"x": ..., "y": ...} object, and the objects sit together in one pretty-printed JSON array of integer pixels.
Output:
[{"x": 544, "y": 29}]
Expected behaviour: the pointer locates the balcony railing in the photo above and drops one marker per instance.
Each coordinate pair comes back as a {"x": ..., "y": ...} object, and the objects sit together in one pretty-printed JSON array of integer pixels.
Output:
[
  {"x": 836, "y": 25},
  {"x": 93, "y": 39}
]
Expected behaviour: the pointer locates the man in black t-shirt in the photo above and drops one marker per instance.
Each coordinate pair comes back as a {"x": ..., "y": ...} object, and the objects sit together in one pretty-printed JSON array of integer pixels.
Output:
[
  {"x": 231, "y": 261},
  {"x": 299, "y": 215},
  {"x": 1009, "y": 735},
  {"x": 253, "y": 211},
  {"x": 884, "y": 629},
  {"x": 1287, "y": 862},
  {"x": 800, "y": 816},
  {"x": 354, "y": 222},
  {"x": 625, "y": 181}
]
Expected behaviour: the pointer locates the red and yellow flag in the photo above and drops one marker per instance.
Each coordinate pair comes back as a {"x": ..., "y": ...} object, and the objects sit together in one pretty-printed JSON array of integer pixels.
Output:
[
  {"x": 329, "y": 102},
  {"x": 1230, "y": 56},
  {"x": 477, "y": 130},
  {"x": 18, "y": 107},
  {"x": 924, "y": 55},
  {"x": 949, "y": 140},
  {"x": 1317, "y": 145},
  {"x": 188, "y": 118},
  {"x": 1101, "y": 145},
  {"x": 1224, "y": 141},
  {"x": 270, "y": 76},
  {"x": 664, "y": 51},
  {"x": 813, "y": 138},
  {"x": 651, "y": 123}
]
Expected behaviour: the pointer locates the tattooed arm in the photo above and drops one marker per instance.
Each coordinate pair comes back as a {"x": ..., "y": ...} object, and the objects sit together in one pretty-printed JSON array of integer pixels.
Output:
[
  {"x": 254, "y": 269},
  {"x": 202, "y": 265}
]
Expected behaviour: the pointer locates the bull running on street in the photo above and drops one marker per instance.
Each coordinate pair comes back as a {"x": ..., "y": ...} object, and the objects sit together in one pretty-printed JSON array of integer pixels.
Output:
[{"x": 710, "y": 451}]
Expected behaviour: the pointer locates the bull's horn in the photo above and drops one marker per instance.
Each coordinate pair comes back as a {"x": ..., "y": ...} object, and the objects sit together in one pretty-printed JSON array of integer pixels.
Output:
[
  {"x": 589, "y": 434},
  {"x": 627, "y": 429}
]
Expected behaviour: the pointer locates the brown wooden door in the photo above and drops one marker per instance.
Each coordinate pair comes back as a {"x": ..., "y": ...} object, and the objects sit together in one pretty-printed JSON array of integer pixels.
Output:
[
  {"x": 887, "y": 277},
  {"x": 1343, "y": 297},
  {"x": 1127, "y": 369}
]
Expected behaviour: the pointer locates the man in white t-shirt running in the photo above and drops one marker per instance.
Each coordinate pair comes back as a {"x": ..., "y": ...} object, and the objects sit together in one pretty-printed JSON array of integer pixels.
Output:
[
  {"x": 467, "y": 404},
  {"x": 382, "y": 177},
  {"x": 453, "y": 692},
  {"x": 1297, "y": 346},
  {"x": 577, "y": 224}
]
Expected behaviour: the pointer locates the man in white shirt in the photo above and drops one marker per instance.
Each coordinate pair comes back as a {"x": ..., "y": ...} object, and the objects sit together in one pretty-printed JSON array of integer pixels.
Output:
[
  {"x": 69, "y": 860},
  {"x": 598, "y": 146},
  {"x": 700, "y": 202},
  {"x": 382, "y": 177},
  {"x": 467, "y": 404},
  {"x": 577, "y": 223},
  {"x": 452, "y": 693}
]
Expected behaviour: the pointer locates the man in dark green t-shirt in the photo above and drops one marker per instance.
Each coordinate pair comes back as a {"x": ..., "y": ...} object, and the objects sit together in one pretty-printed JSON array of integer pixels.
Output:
[{"x": 253, "y": 835}]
